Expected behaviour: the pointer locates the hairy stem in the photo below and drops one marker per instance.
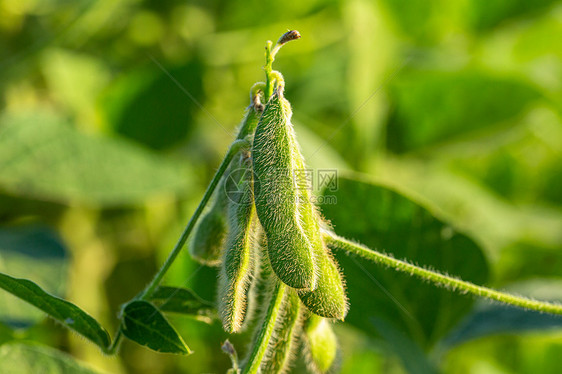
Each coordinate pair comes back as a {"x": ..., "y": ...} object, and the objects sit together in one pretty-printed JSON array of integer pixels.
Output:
[
  {"x": 268, "y": 68},
  {"x": 234, "y": 148},
  {"x": 270, "y": 52},
  {"x": 151, "y": 287},
  {"x": 262, "y": 341},
  {"x": 337, "y": 242},
  {"x": 115, "y": 343}
]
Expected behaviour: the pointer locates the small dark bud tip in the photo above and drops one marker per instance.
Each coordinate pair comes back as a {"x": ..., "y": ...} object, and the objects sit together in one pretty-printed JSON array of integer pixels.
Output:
[
  {"x": 288, "y": 36},
  {"x": 258, "y": 106},
  {"x": 228, "y": 348}
]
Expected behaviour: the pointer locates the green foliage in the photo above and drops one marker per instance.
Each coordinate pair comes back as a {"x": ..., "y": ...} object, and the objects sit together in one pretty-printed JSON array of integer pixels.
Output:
[
  {"x": 485, "y": 320},
  {"x": 141, "y": 104},
  {"x": 21, "y": 358},
  {"x": 466, "y": 101},
  {"x": 42, "y": 157},
  {"x": 145, "y": 325},
  {"x": 384, "y": 219},
  {"x": 485, "y": 15},
  {"x": 64, "y": 312},
  {"x": 449, "y": 110},
  {"x": 25, "y": 247},
  {"x": 182, "y": 301}
]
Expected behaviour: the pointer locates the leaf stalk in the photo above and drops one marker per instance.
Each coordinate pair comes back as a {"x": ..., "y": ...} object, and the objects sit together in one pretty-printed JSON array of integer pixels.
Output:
[{"x": 337, "y": 242}]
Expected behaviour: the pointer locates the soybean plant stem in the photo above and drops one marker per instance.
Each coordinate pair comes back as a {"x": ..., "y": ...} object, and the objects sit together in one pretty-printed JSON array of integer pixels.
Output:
[
  {"x": 269, "y": 57},
  {"x": 151, "y": 287},
  {"x": 115, "y": 343},
  {"x": 337, "y": 242},
  {"x": 270, "y": 52},
  {"x": 266, "y": 331},
  {"x": 234, "y": 148}
]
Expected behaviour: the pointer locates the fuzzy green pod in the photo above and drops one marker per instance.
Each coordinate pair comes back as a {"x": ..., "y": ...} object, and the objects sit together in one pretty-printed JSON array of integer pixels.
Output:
[
  {"x": 210, "y": 234},
  {"x": 320, "y": 344},
  {"x": 240, "y": 263},
  {"x": 329, "y": 299},
  {"x": 282, "y": 345},
  {"x": 263, "y": 277},
  {"x": 276, "y": 156}
]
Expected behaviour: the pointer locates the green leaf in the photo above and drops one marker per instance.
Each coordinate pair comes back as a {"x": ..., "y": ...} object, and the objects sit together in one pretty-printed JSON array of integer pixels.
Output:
[
  {"x": 38, "y": 254},
  {"x": 386, "y": 220},
  {"x": 412, "y": 357},
  {"x": 436, "y": 106},
  {"x": 32, "y": 359},
  {"x": 6, "y": 334},
  {"x": 552, "y": 187},
  {"x": 520, "y": 164},
  {"x": 62, "y": 68},
  {"x": 66, "y": 313},
  {"x": 148, "y": 105},
  {"x": 416, "y": 18},
  {"x": 144, "y": 324},
  {"x": 182, "y": 301},
  {"x": 42, "y": 157},
  {"x": 485, "y": 15},
  {"x": 501, "y": 319}
]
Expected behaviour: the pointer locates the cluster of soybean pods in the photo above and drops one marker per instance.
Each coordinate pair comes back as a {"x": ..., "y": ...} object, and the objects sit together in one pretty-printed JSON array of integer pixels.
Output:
[{"x": 262, "y": 229}]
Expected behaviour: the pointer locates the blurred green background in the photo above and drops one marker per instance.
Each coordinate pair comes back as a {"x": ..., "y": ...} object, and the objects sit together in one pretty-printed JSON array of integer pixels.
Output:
[{"x": 114, "y": 115}]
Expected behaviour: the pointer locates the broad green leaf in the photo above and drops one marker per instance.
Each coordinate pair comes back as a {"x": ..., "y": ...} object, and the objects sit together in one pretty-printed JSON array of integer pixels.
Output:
[
  {"x": 528, "y": 260},
  {"x": 484, "y": 15},
  {"x": 38, "y": 254},
  {"x": 436, "y": 106},
  {"x": 317, "y": 153},
  {"x": 144, "y": 324},
  {"x": 63, "y": 68},
  {"x": 500, "y": 319},
  {"x": 42, "y": 157},
  {"x": 491, "y": 220},
  {"x": 521, "y": 164},
  {"x": 411, "y": 355},
  {"x": 182, "y": 301},
  {"x": 21, "y": 358},
  {"x": 416, "y": 18},
  {"x": 64, "y": 312},
  {"x": 386, "y": 220},
  {"x": 151, "y": 106}
]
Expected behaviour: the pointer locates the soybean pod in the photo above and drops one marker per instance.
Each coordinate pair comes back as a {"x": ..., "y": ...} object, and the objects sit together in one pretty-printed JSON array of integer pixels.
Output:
[
  {"x": 329, "y": 299},
  {"x": 211, "y": 231},
  {"x": 275, "y": 155},
  {"x": 240, "y": 263},
  {"x": 285, "y": 339},
  {"x": 320, "y": 345}
]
